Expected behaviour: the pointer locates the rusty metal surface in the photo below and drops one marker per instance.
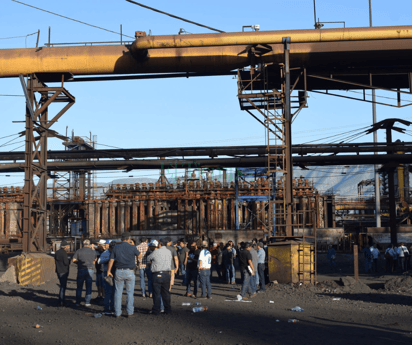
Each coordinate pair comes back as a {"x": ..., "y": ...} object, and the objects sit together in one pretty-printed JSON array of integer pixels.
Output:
[{"x": 33, "y": 269}]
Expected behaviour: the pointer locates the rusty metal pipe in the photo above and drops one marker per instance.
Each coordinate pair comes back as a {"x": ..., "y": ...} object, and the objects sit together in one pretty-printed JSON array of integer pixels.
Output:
[{"x": 271, "y": 37}]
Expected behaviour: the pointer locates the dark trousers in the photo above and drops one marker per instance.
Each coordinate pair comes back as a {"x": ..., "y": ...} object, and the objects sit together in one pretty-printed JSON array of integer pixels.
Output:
[
  {"x": 191, "y": 275},
  {"x": 402, "y": 263},
  {"x": 375, "y": 265},
  {"x": 63, "y": 284},
  {"x": 216, "y": 267},
  {"x": 161, "y": 286},
  {"x": 261, "y": 272},
  {"x": 389, "y": 265}
]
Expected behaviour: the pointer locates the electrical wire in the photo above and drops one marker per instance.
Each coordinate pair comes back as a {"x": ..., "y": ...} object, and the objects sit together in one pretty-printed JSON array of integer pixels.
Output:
[
  {"x": 12, "y": 95},
  {"x": 74, "y": 20},
  {"x": 171, "y": 15},
  {"x": 9, "y": 38}
]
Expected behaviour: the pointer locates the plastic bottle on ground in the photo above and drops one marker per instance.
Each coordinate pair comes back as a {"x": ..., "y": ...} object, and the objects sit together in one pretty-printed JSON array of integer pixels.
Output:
[
  {"x": 293, "y": 320},
  {"x": 98, "y": 315},
  {"x": 39, "y": 308},
  {"x": 199, "y": 309},
  {"x": 197, "y": 303},
  {"x": 186, "y": 303}
]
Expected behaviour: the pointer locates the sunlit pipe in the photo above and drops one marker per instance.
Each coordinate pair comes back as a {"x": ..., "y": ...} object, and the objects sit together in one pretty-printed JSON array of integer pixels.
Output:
[{"x": 272, "y": 37}]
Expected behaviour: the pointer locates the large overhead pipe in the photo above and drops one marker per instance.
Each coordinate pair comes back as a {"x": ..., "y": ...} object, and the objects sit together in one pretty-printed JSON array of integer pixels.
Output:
[{"x": 213, "y": 53}]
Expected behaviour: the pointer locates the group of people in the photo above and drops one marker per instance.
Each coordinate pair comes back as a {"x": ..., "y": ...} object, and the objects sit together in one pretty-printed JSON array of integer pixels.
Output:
[
  {"x": 396, "y": 257},
  {"x": 116, "y": 264}
]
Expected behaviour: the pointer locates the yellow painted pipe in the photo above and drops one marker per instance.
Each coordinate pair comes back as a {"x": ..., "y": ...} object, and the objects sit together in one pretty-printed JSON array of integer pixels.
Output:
[{"x": 272, "y": 37}]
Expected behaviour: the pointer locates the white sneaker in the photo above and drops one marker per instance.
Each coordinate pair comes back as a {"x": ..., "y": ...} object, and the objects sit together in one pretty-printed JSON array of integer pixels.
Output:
[
  {"x": 88, "y": 305},
  {"x": 162, "y": 311}
]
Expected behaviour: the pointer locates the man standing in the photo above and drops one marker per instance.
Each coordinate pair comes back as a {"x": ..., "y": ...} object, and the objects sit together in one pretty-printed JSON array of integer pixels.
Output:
[
  {"x": 375, "y": 257},
  {"x": 85, "y": 259},
  {"x": 143, "y": 268},
  {"x": 368, "y": 257},
  {"x": 62, "y": 270},
  {"x": 108, "y": 288},
  {"x": 99, "y": 271},
  {"x": 261, "y": 266},
  {"x": 254, "y": 280},
  {"x": 214, "y": 251},
  {"x": 205, "y": 258},
  {"x": 175, "y": 260},
  {"x": 191, "y": 269},
  {"x": 182, "y": 258},
  {"x": 246, "y": 266},
  {"x": 403, "y": 253},
  {"x": 228, "y": 257},
  {"x": 161, "y": 260},
  {"x": 124, "y": 254}
]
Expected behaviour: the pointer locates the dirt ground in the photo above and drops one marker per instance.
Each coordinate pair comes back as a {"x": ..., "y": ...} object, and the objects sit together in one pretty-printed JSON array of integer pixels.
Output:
[{"x": 377, "y": 310}]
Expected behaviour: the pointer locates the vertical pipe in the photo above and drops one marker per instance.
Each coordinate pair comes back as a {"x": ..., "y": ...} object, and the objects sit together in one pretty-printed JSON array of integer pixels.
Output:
[
  {"x": 375, "y": 140},
  {"x": 156, "y": 214},
  {"x": 237, "y": 199},
  {"x": 217, "y": 225},
  {"x": 134, "y": 215},
  {"x": 127, "y": 216},
  {"x": 120, "y": 213},
  {"x": 112, "y": 226},
  {"x": 288, "y": 143},
  {"x": 149, "y": 214},
  {"x": 121, "y": 34},
  {"x": 179, "y": 214},
  {"x": 232, "y": 214},
  {"x": 356, "y": 262},
  {"x": 105, "y": 218},
  {"x": 194, "y": 217},
  {"x": 141, "y": 215},
  {"x": 209, "y": 214},
  {"x": 97, "y": 207},
  {"x": 202, "y": 215},
  {"x": 2, "y": 232},
  {"x": 90, "y": 216},
  {"x": 49, "y": 42},
  {"x": 392, "y": 199},
  {"x": 186, "y": 216},
  {"x": 224, "y": 206}
]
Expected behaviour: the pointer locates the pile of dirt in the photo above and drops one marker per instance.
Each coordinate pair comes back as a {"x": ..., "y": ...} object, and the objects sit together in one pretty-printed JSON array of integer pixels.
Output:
[
  {"x": 349, "y": 285},
  {"x": 399, "y": 284}
]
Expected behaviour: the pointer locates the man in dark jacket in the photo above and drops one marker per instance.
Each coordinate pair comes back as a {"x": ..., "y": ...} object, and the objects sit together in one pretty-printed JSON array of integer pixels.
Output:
[{"x": 62, "y": 269}]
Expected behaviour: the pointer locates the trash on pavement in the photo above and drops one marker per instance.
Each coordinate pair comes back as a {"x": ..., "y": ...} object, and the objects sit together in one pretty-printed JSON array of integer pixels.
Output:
[
  {"x": 336, "y": 299},
  {"x": 271, "y": 301},
  {"x": 297, "y": 309},
  {"x": 293, "y": 320}
]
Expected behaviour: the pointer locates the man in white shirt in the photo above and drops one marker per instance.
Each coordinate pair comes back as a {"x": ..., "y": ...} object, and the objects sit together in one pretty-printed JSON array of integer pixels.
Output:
[
  {"x": 403, "y": 252},
  {"x": 375, "y": 257},
  {"x": 205, "y": 263}
]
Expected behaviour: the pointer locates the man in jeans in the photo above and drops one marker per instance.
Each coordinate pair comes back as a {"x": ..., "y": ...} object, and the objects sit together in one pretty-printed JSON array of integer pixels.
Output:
[
  {"x": 85, "y": 258},
  {"x": 246, "y": 266},
  {"x": 143, "y": 268},
  {"x": 182, "y": 258},
  {"x": 62, "y": 270},
  {"x": 205, "y": 258},
  {"x": 124, "y": 254},
  {"x": 261, "y": 266}
]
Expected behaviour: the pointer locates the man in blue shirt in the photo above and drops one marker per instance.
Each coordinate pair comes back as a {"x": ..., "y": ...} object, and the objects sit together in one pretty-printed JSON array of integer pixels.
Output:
[
  {"x": 124, "y": 254},
  {"x": 261, "y": 266}
]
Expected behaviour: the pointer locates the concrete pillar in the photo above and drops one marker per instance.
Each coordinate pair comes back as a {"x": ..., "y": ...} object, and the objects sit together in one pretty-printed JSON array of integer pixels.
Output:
[
  {"x": 112, "y": 210},
  {"x": 105, "y": 218},
  {"x": 232, "y": 214}
]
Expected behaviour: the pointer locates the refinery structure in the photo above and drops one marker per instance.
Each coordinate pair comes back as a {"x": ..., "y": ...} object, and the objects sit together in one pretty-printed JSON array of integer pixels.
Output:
[{"x": 264, "y": 198}]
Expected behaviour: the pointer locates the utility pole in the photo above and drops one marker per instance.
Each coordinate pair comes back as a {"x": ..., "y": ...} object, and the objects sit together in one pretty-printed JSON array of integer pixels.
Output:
[{"x": 375, "y": 139}]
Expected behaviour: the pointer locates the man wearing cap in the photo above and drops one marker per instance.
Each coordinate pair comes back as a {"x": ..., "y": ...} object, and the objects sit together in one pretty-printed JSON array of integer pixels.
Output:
[
  {"x": 161, "y": 260},
  {"x": 62, "y": 270},
  {"x": 85, "y": 258},
  {"x": 204, "y": 270},
  {"x": 192, "y": 271},
  {"x": 261, "y": 266},
  {"x": 175, "y": 260},
  {"x": 108, "y": 288},
  {"x": 143, "y": 268},
  {"x": 99, "y": 270},
  {"x": 124, "y": 254}
]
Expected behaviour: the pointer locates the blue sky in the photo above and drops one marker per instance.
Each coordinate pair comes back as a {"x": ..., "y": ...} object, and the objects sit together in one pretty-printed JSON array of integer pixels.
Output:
[{"x": 182, "y": 112}]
